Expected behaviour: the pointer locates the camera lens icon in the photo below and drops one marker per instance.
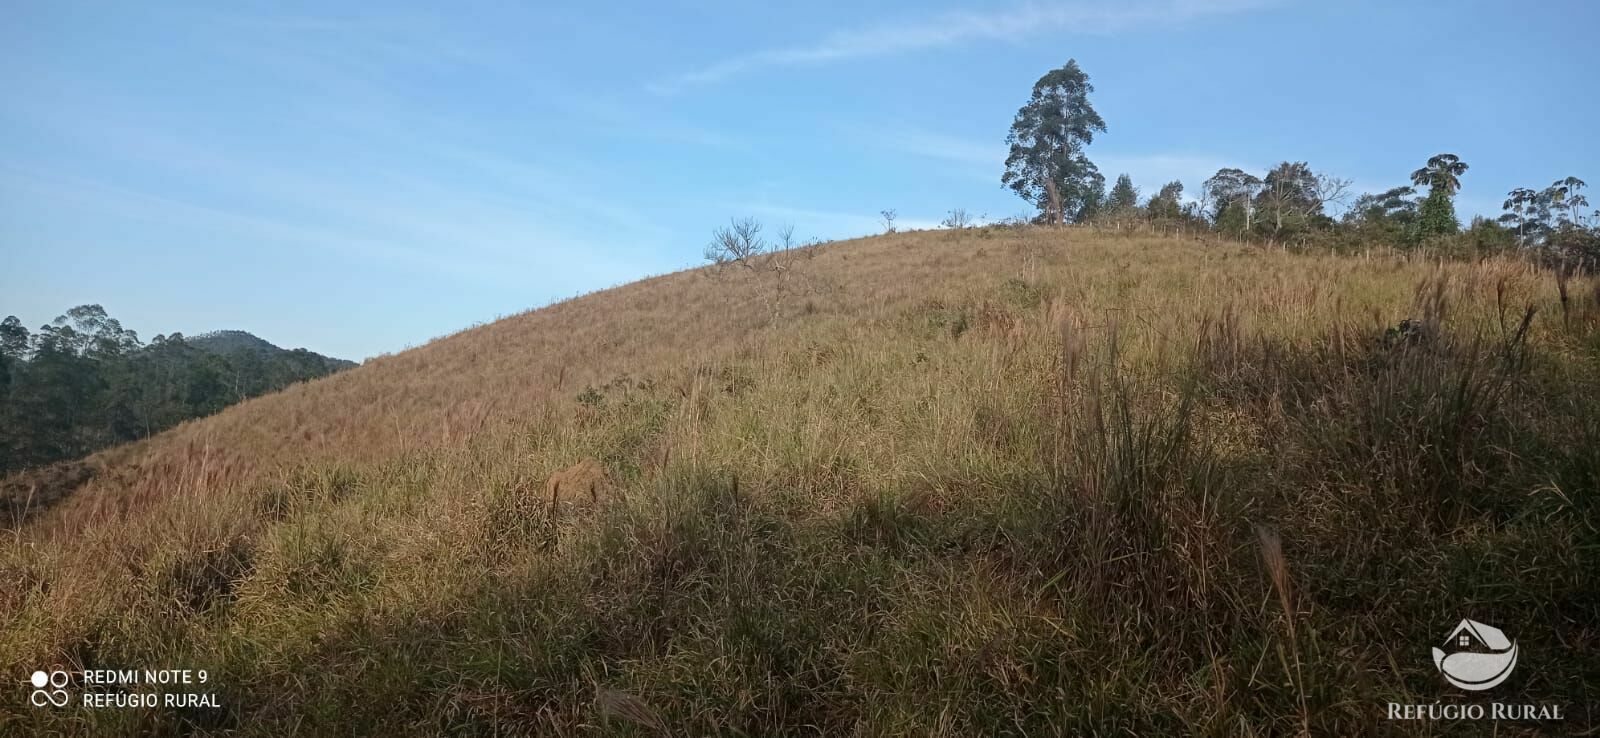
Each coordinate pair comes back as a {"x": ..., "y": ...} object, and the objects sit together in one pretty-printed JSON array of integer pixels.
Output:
[{"x": 56, "y": 694}]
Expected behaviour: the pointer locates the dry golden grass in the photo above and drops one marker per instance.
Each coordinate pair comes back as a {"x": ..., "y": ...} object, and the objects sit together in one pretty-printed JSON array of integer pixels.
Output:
[{"x": 993, "y": 481}]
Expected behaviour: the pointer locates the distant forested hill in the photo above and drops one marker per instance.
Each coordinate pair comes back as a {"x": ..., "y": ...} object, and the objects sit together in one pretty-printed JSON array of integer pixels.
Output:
[
  {"x": 231, "y": 342},
  {"x": 260, "y": 366},
  {"x": 84, "y": 382}
]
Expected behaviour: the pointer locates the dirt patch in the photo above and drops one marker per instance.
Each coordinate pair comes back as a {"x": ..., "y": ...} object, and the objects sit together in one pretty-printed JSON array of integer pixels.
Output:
[{"x": 583, "y": 483}]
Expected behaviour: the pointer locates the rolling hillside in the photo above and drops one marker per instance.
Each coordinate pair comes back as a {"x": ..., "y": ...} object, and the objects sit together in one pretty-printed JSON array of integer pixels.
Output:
[
  {"x": 988, "y": 481},
  {"x": 65, "y": 396}
]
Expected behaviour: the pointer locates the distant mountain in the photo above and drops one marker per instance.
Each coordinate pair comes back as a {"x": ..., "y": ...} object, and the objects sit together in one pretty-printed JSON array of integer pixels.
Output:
[{"x": 228, "y": 343}]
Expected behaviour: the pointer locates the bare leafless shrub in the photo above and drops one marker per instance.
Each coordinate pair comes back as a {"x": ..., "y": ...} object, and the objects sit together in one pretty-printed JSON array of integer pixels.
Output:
[
  {"x": 957, "y": 219},
  {"x": 777, "y": 266}
]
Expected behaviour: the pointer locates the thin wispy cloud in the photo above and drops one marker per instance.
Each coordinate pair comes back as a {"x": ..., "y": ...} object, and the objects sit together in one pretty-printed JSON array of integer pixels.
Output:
[
  {"x": 954, "y": 28},
  {"x": 951, "y": 149},
  {"x": 1151, "y": 171},
  {"x": 107, "y": 200},
  {"x": 818, "y": 223},
  {"x": 517, "y": 217},
  {"x": 984, "y": 160},
  {"x": 513, "y": 225},
  {"x": 371, "y": 63}
]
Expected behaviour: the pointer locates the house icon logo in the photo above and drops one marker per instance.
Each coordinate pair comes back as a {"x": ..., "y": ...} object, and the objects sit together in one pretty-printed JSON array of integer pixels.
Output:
[{"x": 1482, "y": 659}]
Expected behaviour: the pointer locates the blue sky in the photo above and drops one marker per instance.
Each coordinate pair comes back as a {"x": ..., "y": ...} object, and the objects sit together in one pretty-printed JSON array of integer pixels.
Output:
[{"x": 356, "y": 178}]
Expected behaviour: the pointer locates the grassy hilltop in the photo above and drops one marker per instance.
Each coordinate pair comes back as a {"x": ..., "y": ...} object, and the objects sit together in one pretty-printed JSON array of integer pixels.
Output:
[{"x": 980, "y": 482}]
